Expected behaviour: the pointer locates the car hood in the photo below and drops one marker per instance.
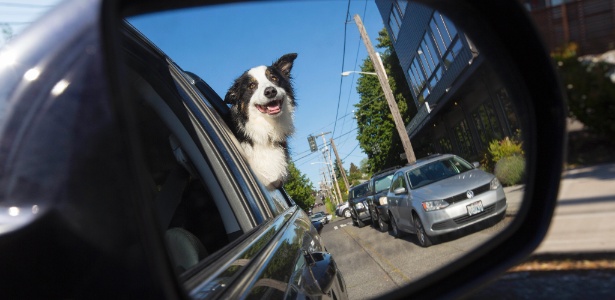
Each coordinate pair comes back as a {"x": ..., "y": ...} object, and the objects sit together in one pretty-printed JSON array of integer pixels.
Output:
[{"x": 453, "y": 185}]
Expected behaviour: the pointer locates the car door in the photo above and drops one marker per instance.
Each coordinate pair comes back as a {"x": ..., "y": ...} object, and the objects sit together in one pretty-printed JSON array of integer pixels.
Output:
[
  {"x": 405, "y": 203},
  {"x": 393, "y": 199}
]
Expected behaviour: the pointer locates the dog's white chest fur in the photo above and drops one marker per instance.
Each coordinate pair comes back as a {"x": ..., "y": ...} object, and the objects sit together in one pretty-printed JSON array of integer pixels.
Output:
[{"x": 268, "y": 162}]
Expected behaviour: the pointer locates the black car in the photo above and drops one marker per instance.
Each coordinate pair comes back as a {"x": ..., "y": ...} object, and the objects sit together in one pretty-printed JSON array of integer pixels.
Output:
[
  {"x": 357, "y": 203},
  {"x": 377, "y": 204},
  {"x": 132, "y": 185}
]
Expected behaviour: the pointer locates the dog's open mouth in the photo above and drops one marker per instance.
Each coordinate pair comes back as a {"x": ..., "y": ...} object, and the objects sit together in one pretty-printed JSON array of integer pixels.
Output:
[{"x": 272, "y": 108}]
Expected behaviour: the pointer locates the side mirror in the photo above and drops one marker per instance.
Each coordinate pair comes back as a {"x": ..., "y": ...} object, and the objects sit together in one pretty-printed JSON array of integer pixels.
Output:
[
  {"x": 400, "y": 191},
  {"x": 319, "y": 273},
  {"x": 476, "y": 164}
]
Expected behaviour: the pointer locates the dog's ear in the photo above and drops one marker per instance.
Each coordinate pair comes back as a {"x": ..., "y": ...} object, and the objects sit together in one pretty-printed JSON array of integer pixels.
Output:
[
  {"x": 232, "y": 96},
  {"x": 285, "y": 63}
]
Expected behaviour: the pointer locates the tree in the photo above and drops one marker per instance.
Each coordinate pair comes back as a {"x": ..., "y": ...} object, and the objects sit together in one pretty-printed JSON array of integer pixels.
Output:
[
  {"x": 590, "y": 90},
  {"x": 299, "y": 187},
  {"x": 377, "y": 134}
]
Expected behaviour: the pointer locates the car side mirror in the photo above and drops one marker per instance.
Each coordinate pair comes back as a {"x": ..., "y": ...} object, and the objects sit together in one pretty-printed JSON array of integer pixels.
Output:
[
  {"x": 320, "y": 273},
  {"x": 400, "y": 191},
  {"x": 476, "y": 164}
]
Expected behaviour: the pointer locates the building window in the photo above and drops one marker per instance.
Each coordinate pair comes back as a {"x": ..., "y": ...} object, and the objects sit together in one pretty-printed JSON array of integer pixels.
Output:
[
  {"x": 445, "y": 145},
  {"x": 486, "y": 123},
  {"x": 397, "y": 14},
  {"x": 464, "y": 138},
  {"x": 511, "y": 116},
  {"x": 437, "y": 51}
]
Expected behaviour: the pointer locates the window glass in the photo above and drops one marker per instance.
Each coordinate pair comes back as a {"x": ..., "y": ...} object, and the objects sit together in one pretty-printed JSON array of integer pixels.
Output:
[
  {"x": 464, "y": 138},
  {"x": 383, "y": 183},
  {"x": 486, "y": 124}
]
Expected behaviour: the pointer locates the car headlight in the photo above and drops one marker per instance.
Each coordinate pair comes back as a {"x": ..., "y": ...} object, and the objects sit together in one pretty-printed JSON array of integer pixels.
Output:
[
  {"x": 495, "y": 183},
  {"x": 434, "y": 205},
  {"x": 359, "y": 205},
  {"x": 383, "y": 200}
]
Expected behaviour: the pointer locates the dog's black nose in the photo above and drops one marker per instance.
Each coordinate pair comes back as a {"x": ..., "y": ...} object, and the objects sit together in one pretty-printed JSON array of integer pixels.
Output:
[{"x": 270, "y": 92}]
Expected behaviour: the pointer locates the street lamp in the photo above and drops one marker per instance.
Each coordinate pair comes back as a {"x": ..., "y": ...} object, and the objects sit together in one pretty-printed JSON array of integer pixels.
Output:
[{"x": 350, "y": 72}]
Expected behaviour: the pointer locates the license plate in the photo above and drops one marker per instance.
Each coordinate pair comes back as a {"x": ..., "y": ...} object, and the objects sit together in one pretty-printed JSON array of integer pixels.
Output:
[{"x": 475, "y": 208}]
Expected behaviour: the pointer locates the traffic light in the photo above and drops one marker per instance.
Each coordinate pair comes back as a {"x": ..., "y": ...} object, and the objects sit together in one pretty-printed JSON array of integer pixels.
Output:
[{"x": 312, "y": 141}]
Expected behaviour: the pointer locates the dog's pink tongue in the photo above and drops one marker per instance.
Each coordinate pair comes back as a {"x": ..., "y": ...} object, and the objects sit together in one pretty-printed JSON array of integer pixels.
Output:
[{"x": 271, "y": 108}]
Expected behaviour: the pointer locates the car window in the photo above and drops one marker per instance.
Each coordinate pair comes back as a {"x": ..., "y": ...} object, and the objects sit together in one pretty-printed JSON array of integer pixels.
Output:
[
  {"x": 397, "y": 182},
  {"x": 383, "y": 183},
  {"x": 359, "y": 191}
]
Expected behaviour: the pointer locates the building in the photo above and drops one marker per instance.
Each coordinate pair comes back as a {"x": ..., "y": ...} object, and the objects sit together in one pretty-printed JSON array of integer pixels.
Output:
[
  {"x": 462, "y": 106},
  {"x": 589, "y": 24}
]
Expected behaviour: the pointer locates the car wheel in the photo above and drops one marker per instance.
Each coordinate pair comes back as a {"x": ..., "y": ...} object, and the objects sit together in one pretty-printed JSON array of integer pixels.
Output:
[
  {"x": 423, "y": 238},
  {"x": 384, "y": 226},
  {"x": 375, "y": 218},
  {"x": 347, "y": 213},
  {"x": 360, "y": 223},
  {"x": 396, "y": 232}
]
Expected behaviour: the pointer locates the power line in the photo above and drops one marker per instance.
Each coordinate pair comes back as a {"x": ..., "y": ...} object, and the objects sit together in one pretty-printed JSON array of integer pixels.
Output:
[{"x": 339, "y": 96}]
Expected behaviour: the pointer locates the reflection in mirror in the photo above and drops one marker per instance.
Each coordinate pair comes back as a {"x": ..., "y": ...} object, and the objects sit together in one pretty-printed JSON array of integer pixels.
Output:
[{"x": 449, "y": 97}]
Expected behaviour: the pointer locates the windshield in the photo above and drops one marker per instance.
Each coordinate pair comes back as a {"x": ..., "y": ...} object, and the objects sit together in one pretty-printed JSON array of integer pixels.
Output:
[
  {"x": 437, "y": 170},
  {"x": 383, "y": 183},
  {"x": 318, "y": 215},
  {"x": 359, "y": 191}
]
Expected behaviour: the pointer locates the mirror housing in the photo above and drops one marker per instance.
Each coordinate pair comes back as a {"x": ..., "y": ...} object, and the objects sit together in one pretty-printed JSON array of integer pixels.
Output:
[
  {"x": 400, "y": 191},
  {"x": 319, "y": 273}
]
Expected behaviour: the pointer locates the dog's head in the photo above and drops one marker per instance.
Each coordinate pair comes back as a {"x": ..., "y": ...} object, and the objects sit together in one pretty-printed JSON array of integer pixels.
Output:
[{"x": 264, "y": 91}]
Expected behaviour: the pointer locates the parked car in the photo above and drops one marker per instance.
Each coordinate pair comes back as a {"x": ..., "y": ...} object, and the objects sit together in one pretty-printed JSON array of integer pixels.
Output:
[
  {"x": 357, "y": 204},
  {"x": 378, "y": 188},
  {"x": 441, "y": 194},
  {"x": 343, "y": 210},
  {"x": 122, "y": 179},
  {"x": 318, "y": 225},
  {"x": 320, "y": 217}
]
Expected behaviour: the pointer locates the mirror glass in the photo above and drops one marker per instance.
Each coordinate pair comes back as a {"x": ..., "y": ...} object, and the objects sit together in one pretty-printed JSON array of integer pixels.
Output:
[{"x": 449, "y": 99}]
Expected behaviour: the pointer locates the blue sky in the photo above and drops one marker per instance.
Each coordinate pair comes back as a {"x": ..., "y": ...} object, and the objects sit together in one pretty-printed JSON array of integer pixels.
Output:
[{"x": 220, "y": 43}]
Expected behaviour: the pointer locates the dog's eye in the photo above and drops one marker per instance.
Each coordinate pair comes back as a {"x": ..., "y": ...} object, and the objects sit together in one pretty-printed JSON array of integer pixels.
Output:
[
  {"x": 273, "y": 78},
  {"x": 252, "y": 85}
]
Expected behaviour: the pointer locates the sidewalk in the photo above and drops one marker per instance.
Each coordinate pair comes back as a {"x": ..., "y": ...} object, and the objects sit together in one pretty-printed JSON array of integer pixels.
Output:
[{"x": 584, "y": 219}]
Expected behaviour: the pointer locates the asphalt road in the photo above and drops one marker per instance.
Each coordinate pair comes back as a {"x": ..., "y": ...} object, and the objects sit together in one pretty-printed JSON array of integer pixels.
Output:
[{"x": 374, "y": 262}]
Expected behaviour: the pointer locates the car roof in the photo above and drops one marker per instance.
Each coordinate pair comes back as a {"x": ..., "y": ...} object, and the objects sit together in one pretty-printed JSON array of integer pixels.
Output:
[{"x": 425, "y": 160}]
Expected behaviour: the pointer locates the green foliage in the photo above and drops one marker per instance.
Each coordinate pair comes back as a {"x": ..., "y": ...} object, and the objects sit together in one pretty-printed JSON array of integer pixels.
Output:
[
  {"x": 510, "y": 170},
  {"x": 330, "y": 207},
  {"x": 504, "y": 148},
  {"x": 299, "y": 188},
  {"x": 377, "y": 134},
  {"x": 590, "y": 91}
]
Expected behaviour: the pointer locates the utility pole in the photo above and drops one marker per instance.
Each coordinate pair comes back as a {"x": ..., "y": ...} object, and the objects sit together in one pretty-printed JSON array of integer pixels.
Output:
[
  {"x": 388, "y": 94},
  {"x": 339, "y": 164},
  {"x": 330, "y": 164}
]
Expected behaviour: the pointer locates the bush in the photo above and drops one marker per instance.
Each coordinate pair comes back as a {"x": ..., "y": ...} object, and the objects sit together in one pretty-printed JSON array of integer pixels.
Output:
[
  {"x": 504, "y": 148},
  {"x": 510, "y": 170}
]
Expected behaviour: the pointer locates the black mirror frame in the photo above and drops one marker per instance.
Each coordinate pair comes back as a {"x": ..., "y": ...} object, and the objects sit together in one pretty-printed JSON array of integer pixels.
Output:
[{"x": 505, "y": 34}]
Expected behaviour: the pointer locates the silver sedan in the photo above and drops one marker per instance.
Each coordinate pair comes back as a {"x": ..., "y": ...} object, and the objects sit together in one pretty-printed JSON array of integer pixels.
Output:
[{"x": 441, "y": 194}]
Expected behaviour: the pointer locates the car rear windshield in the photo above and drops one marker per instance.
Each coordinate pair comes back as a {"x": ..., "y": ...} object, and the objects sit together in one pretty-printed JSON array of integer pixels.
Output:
[{"x": 438, "y": 170}]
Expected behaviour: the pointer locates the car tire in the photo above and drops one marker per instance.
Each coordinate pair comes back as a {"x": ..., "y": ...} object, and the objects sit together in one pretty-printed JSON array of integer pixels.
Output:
[
  {"x": 383, "y": 225},
  {"x": 422, "y": 237},
  {"x": 347, "y": 213},
  {"x": 374, "y": 217},
  {"x": 395, "y": 231},
  {"x": 360, "y": 223}
]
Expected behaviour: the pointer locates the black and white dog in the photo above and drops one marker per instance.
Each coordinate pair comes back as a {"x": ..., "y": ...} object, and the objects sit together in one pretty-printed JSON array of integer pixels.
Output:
[{"x": 262, "y": 108}]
